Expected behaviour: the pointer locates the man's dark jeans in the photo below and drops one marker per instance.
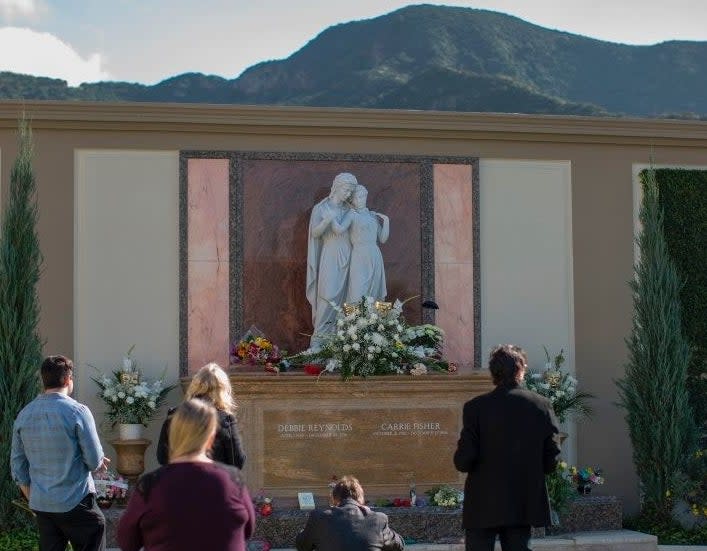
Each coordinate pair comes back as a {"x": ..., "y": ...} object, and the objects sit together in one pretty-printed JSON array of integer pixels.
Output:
[
  {"x": 84, "y": 526},
  {"x": 513, "y": 538}
]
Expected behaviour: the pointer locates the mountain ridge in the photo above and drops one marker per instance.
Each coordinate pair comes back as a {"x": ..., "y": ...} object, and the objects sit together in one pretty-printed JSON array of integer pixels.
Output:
[{"x": 437, "y": 57}]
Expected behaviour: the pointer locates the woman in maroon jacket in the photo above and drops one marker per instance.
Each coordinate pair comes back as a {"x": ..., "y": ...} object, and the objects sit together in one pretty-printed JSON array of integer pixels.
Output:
[{"x": 194, "y": 502}]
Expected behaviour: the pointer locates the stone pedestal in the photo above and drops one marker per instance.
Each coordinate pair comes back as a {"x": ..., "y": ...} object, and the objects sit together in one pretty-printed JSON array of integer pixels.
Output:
[
  {"x": 298, "y": 430},
  {"x": 131, "y": 458}
]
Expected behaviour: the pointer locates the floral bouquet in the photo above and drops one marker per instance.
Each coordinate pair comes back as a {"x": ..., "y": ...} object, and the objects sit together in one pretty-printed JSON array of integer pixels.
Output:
[
  {"x": 560, "y": 490},
  {"x": 263, "y": 504},
  {"x": 445, "y": 496},
  {"x": 254, "y": 349},
  {"x": 130, "y": 398},
  {"x": 559, "y": 387},
  {"x": 110, "y": 487},
  {"x": 586, "y": 477},
  {"x": 372, "y": 338}
]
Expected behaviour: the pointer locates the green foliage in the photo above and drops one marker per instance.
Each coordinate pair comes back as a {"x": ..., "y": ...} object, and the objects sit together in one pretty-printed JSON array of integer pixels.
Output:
[
  {"x": 668, "y": 532},
  {"x": 20, "y": 539},
  {"x": 654, "y": 389},
  {"x": 683, "y": 196},
  {"x": 20, "y": 346},
  {"x": 560, "y": 488}
]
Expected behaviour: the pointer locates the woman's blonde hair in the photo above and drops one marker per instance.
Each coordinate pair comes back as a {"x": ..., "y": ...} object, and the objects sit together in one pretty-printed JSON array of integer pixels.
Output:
[
  {"x": 211, "y": 383},
  {"x": 192, "y": 424}
]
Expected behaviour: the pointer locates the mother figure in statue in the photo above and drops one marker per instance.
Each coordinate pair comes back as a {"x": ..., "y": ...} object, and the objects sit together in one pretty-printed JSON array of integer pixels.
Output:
[{"x": 328, "y": 257}]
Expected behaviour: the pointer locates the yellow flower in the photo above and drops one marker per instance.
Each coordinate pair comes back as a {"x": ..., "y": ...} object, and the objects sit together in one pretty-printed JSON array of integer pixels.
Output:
[
  {"x": 667, "y": 493},
  {"x": 562, "y": 465}
]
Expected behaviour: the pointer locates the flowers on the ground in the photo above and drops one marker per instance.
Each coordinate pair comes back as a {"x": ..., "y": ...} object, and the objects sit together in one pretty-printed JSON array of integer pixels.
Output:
[
  {"x": 131, "y": 398},
  {"x": 690, "y": 484},
  {"x": 445, "y": 496},
  {"x": 372, "y": 338},
  {"x": 560, "y": 488},
  {"x": 559, "y": 387},
  {"x": 255, "y": 349},
  {"x": 110, "y": 485}
]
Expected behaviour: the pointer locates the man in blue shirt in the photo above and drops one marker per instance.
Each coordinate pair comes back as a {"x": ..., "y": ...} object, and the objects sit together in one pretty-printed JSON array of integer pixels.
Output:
[{"x": 55, "y": 447}]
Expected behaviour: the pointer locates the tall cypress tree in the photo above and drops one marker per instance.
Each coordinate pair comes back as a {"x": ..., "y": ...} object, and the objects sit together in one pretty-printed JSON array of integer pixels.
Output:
[
  {"x": 20, "y": 345},
  {"x": 654, "y": 389}
]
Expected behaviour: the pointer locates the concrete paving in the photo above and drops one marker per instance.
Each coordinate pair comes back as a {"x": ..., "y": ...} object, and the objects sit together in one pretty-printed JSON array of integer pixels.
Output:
[{"x": 613, "y": 540}]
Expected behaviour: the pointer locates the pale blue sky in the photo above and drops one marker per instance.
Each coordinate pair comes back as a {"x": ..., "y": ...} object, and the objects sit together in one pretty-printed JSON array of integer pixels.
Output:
[{"x": 149, "y": 40}]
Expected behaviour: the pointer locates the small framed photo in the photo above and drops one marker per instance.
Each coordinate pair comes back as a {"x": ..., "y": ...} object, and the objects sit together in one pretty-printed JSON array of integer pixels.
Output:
[{"x": 306, "y": 500}]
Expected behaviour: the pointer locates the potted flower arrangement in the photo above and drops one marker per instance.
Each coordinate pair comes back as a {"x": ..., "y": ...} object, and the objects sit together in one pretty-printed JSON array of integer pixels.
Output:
[
  {"x": 560, "y": 388},
  {"x": 132, "y": 400},
  {"x": 585, "y": 478},
  {"x": 110, "y": 488},
  {"x": 372, "y": 338}
]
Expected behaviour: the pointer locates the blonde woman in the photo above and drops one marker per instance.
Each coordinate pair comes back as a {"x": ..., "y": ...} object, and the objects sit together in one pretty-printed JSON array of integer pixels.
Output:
[
  {"x": 193, "y": 502},
  {"x": 211, "y": 384}
]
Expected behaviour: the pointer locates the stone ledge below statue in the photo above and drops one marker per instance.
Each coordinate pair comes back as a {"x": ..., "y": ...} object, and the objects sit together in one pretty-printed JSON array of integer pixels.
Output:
[{"x": 426, "y": 524}]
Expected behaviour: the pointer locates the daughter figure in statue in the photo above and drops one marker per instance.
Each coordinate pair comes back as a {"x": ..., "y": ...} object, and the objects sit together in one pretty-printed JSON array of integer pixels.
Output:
[{"x": 366, "y": 228}]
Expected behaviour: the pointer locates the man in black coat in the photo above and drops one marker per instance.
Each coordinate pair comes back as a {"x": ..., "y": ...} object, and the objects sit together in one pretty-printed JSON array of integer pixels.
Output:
[
  {"x": 508, "y": 443},
  {"x": 349, "y": 526}
]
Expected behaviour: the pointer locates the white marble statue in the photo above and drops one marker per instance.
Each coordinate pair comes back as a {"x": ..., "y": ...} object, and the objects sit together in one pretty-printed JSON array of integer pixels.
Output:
[
  {"x": 365, "y": 229},
  {"x": 328, "y": 257}
]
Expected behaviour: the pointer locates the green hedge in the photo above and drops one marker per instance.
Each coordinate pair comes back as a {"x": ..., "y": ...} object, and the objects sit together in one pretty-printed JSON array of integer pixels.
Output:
[{"x": 683, "y": 196}]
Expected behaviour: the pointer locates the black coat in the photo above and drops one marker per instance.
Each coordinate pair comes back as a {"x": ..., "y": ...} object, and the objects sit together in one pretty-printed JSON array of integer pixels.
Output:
[
  {"x": 348, "y": 527},
  {"x": 227, "y": 446},
  {"x": 507, "y": 445}
]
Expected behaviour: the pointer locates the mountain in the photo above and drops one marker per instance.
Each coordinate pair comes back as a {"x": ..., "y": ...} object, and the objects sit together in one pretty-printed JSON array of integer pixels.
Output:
[{"x": 438, "y": 57}]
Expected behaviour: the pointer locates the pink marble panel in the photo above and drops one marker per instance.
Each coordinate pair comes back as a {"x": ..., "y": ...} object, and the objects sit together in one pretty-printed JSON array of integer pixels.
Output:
[
  {"x": 453, "y": 213},
  {"x": 207, "y": 204},
  {"x": 454, "y": 256},
  {"x": 454, "y": 293},
  {"x": 207, "y": 304}
]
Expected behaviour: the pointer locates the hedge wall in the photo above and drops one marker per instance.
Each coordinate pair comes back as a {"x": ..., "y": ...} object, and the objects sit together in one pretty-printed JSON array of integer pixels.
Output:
[{"x": 683, "y": 196}]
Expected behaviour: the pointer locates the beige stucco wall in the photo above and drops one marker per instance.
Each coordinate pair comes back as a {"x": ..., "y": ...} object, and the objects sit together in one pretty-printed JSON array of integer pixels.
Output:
[
  {"x": 126, "y": 266},
  {"x": 598, "y": 153}
]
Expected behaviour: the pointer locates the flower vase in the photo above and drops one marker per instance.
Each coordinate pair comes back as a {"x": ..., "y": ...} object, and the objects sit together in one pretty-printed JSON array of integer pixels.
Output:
[
  {"x": 129, "y": 431},
  {"x": 584, "y": 489}
]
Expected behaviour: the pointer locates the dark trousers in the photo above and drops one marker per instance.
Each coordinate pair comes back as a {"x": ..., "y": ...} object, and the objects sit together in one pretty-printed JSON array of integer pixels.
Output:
[
  {"x": 84, "y": 526},
  {"x": 513, "y": 538}
]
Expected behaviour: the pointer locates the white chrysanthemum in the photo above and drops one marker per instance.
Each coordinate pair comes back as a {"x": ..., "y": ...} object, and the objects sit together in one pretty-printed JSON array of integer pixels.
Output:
[
  {"x": 130, "y": 399},
  {"x": 378, "y": 339},
  {"x": 339, "y": 322},
  {"x": 371, "y": 348},
  {"x": 367, "y": 336},
  {"x": 121, "y": 394},
  {"x": 347, "y": 347},
  {"x": 381, "y": 327},
  {"x": 369, "y": 356},
  {"x": 356, "y": 346},
  {"x": 152, "y": 405}
]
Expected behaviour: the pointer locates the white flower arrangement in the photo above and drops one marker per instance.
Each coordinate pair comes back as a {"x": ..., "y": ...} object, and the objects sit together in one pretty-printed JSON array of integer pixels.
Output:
[
  {"x": 559, "y": 387},
  {"x": 372, "y": 338},
  {"x": 130, "y": 398},
  {"x": 445, "y": 496}
]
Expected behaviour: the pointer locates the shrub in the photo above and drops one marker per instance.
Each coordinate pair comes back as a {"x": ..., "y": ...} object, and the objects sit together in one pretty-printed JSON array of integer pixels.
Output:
[{"x": 654, "y": 389}]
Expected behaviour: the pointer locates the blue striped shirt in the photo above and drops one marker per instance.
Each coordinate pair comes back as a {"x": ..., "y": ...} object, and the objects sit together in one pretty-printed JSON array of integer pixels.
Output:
[{"x": 55, "y": 447}]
